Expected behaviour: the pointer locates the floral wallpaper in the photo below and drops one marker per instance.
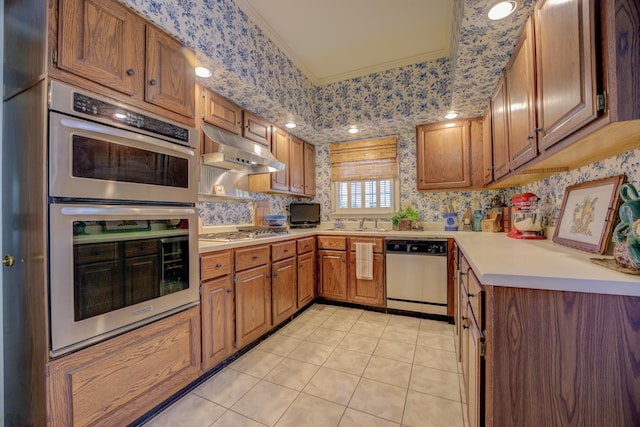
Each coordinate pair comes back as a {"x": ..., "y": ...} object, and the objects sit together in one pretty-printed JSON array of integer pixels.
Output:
[{"x": 249, "y": 69}]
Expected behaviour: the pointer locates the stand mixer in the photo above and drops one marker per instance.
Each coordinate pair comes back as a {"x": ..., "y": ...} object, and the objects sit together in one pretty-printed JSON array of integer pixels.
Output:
[{"x": 527, "y": 217}]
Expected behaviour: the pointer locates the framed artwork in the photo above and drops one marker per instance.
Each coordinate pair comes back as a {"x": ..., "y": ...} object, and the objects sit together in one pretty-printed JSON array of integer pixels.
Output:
[{"x": 589, "y": 212}]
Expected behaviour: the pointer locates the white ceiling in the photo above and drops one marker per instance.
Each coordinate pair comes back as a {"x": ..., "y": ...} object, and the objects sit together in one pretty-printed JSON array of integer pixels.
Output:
[{"x": 333, "y": 40}]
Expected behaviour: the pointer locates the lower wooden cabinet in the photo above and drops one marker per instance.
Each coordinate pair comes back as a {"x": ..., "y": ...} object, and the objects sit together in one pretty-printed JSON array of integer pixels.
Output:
[
  {"x": 332, "y": 274},
  {"x": 284, "y": 281},
  {"x": 363, "y": 291},
  {"x": 253, "y": 304},
  {"x": 118, "y": 380},
  {"x": 217, "y": 303},
  {"x": 306, "y": 278}
]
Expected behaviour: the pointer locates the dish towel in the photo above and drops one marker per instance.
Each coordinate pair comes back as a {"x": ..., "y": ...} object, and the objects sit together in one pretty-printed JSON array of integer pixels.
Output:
[{"x": 364, "y": 261}]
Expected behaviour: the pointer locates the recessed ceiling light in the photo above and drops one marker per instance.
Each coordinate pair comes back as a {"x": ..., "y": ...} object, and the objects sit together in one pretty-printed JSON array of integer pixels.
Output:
[
  {"x": 203, "y": 72},
  {"x": 290, "y": 125},
  {"x": 353, "y": 129},
  {"x": 451, "y": 115},
  {"x": 502, "y": 10}
]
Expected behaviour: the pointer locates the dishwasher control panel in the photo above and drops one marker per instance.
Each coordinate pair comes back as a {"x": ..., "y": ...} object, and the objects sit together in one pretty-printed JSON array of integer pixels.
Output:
[{"x": 420, "y": 247}]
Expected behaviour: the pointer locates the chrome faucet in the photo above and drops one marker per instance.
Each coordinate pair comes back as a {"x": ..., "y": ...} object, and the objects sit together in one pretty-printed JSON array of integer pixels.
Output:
[{"x": 362, "y": 220}]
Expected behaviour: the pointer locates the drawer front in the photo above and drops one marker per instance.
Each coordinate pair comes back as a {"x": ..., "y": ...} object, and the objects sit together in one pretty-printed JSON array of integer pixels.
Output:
[
  {"x": 140, "y": 247},
  {"x": 472, "y": 289},
  {"x": 215, "y": 264},
  {"x": 305, "y": 245},
  {"x": 283, "y": 250},
  {"x": 252, "y": 257},
  {"x": 378, "y": 243},
  {"x": 336, "y": 243}
]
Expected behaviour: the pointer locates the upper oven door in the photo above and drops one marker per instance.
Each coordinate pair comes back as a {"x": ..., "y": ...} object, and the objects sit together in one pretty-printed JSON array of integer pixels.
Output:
[{"x": 90, "y": 160}]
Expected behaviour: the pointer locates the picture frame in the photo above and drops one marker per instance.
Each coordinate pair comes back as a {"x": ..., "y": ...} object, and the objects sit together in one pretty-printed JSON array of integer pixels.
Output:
[
  {"x": 589, "y": 212},
  {"x": 218, "y": 190}
]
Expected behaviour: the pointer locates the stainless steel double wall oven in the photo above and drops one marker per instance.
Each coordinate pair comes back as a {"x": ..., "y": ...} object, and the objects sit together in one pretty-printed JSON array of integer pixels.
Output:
[{"x": 122, "y": 217}]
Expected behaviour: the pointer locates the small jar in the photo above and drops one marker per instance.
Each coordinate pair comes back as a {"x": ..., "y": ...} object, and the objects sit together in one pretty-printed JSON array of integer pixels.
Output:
[{"x": 478, "y": 216}]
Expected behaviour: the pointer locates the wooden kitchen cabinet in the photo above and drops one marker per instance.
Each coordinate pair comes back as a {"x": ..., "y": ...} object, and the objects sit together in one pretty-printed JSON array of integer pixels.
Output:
[
  {"x": 487, "y": 148},
  {"x": 253, "y": 293},
  {"x": 449, "y": 155},
  {"x": 363, "y": 291},
  {"x": 500, "y": 131},
  {"x": 566, "y": 72},
  {"x": 102, "y": 41},
  {"x": 171, "y": 80},
  {"x": 118, "y": 380},
  {"x": 281, "y": 149},
  {"x": 221, "y": 112},
  {"x": 520, "y": 78},
  {"x": 217, "y": 305},
  {"x": 306, "y": 278},
  {"x": 296, "y": 166},
  {"x": 332, "y": 274},
  {"x": 104, "y": 46},
  {"x": 284, "y": 285},
  {"x": 309, "y": 170},
  {"x": 256, "y": 129}
]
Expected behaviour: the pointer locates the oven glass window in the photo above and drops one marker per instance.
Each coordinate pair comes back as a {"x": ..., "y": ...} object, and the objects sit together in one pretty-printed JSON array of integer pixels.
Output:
[
  {"x": 97, "y": 159},
  {"x": 122, "y": 263}
]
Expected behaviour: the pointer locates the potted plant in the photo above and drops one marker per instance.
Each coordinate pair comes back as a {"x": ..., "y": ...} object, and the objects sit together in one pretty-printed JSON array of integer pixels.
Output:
[{"x": 404, "y": 218}]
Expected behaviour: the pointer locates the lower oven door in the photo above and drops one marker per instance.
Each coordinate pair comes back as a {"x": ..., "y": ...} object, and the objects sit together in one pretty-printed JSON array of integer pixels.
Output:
[{"x": 114, "y": 268}]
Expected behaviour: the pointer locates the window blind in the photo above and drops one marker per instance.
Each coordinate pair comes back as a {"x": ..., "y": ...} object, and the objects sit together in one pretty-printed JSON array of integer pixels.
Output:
[{"x": 364, "y": 159}]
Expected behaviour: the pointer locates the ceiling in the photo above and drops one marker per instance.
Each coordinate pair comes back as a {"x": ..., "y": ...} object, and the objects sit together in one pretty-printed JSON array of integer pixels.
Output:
[{"x": 334, "y": 40}]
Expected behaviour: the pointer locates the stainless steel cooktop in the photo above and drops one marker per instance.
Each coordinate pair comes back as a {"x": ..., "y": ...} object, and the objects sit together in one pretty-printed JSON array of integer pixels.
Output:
[{"x": 245, "y": 233}]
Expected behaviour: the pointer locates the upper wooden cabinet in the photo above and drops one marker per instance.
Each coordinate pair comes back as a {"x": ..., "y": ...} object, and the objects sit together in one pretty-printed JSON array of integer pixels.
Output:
[
  {"x": 281, "y": 149},
  {"x": 487, "y": 148},
  {"x": 296, "y": 166},
  {"x": 444, "y": 155},
  {"x": 221, "y": 112},
  {"x": 102, "y": 41},
  {"x": 113, "y": 49},
  {"x": 499, "y": 131},
  {"x": 566, "y": 72},
  {"x": 256, "y": 128},
  {"x": 309, "y": 170},
  {"x": 521, "y": 84}
]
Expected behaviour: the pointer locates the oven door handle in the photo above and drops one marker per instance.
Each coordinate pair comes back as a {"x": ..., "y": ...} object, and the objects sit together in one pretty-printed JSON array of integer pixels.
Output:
[
  {"x": 99, "y": 129},
  {"x": 120, "y": 210}
]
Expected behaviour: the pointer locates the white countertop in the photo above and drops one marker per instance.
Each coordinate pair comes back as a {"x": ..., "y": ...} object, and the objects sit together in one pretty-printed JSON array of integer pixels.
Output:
[{"x": 501, "y": 261}]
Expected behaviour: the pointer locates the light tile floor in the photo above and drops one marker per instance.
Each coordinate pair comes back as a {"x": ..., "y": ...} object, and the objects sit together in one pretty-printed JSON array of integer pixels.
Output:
[{"x": 334, "y": 366}]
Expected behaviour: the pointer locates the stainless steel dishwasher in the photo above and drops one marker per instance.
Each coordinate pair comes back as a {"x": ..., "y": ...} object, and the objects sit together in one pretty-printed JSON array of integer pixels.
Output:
[{"x": 417, "y": 275}]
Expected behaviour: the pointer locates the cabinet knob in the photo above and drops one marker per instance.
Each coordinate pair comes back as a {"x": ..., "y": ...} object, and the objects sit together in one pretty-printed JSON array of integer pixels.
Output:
[
  {"x": 286, "y": 250},
  {"x": 530, "y": 137},
  {"x": 130, "y": 72},
  {"x": 463, "y": 318},
  {"x": 8, "y": 260},
  {"x": 465, "y": 327},
  {"x": 218, "y": 265},
  {"x": 275, "y": 275},
  {"x": 254, "y": 257},
  {"x": 152, "y": 82},
  {"x": 470, "y": 295},
  {"x": 229, "y": 291}
]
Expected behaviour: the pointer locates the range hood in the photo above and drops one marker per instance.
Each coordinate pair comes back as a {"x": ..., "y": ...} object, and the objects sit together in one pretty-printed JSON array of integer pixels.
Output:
[{"x": 234, "y": 152}]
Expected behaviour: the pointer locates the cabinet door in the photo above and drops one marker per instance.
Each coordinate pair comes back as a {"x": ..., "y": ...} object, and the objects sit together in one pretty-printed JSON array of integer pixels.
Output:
[
  {"x": 256, "y": 129},
  {"x": 332, "y": 283},
  {"x": 221, "y": 112},
  {"x": 102, "y": 41},
  {"x": 170, "y": 79},
  {"x": 284, "y": 280},
  {"x": 142, "y": 278},
  {"x": 443, "y": 156},
  {"x": 474, "y": 379},
  {"x": 306, "y": 278},
  {"x": 253, "y": 304},
  {"x": 296, "y": 166},
  {"x": 520, "y": 101},
  {"x": 499, "y": 134},
  {"x": 114, "y": 382},
  {"x": 566, "y": 71},
  {"x": 487, "y": 148},
  {"x": 216, "y": 298},
  {"x": 368, "y": 292},
  {"x": 309, "y": 169},
  {"x": 280, "y": 149}
]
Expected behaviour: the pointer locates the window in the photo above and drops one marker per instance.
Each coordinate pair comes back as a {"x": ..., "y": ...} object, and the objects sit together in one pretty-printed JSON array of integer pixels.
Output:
[
  {"x": 364, "y": 177},
  {"x": 373, "y": 197}
]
